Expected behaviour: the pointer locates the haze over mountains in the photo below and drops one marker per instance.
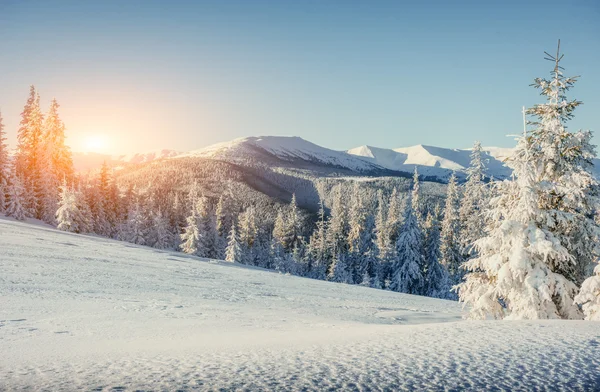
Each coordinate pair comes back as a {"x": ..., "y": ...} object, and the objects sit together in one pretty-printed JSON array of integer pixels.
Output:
[{"x": 433, "y": 163}]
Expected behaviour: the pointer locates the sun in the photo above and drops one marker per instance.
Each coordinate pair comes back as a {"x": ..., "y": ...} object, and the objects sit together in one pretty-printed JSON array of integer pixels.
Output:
[{"x": 95, "y": 143}]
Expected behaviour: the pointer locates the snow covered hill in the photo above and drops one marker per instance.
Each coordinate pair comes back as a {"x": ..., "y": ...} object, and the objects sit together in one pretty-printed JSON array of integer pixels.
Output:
[{"x": 85, "y": 313}]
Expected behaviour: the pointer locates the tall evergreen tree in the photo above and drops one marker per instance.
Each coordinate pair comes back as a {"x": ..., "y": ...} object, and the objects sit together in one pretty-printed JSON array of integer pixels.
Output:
[
  {"x": 4, "y": 167},
  {"x": 406, "y": 274},
  {"x": 318, "y": 251},
  {"x": 68, "y": 215},
  {"x": 451, "y": 256},
  {"x": 436, "y": 279},
  {"x": 31, "y": 158},
  {"x": 233, "y": 253},
  {"x": 15, "y": 197},
  {"x": 515, "y": 274},
  {"x": 473, "y": 203},
  {"x": 337, "y": 227},
  {"x": 589, "y": 296}
]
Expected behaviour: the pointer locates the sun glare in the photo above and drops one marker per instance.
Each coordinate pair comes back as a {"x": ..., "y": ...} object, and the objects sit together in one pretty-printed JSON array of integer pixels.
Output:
[{"x": 95, "y": 143}]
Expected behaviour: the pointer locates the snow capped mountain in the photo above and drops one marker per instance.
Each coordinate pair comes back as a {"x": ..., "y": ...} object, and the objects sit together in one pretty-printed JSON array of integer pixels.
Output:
[
  {"x": 290, "y": 150},
  {"x": 434, "y": 161}
]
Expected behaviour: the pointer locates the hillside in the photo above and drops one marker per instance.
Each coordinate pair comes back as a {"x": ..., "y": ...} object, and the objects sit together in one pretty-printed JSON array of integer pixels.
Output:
[{"x": 85, "y": 313}]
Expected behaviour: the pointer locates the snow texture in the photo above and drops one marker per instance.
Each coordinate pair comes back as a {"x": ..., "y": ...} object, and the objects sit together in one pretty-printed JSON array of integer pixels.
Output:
[{"x": 86, "y": 313}]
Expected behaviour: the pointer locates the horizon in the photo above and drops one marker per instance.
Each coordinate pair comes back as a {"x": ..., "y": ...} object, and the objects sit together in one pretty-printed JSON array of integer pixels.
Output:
[{"x": 141, "y": 77}]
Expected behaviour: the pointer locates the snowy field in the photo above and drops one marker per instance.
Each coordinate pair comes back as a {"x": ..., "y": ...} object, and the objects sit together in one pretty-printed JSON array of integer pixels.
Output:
[{"x": 85, "y": 313}]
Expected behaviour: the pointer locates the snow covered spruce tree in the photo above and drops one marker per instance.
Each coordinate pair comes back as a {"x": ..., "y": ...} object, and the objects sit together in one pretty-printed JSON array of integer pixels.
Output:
[
  {"x": 450, "y": 233},
  {"x": 473, "y": 203},
  {"x": 68, "y": 215},
  {"x": 4, "y": 167},
  {"x": 569, "y": 190},
  {"x": 406, "y": 274},
  {"x": 317, "y": 251},
  {"x": 233, "y": 252},
  {"x": 15, "y": 197},
  {"x": 436, "y": 279},
  {"x": 589, "y": 296},
  {"x": 515, "y": 274},
  {"x": 544, "y": 238}
]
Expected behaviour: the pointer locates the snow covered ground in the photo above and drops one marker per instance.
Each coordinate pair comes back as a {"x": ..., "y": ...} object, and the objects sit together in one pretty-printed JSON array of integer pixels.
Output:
[{"x": 85, "y": 313}]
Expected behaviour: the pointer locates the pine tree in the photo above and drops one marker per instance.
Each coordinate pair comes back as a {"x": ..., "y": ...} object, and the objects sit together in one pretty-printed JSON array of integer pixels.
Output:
[
  {"x": 337, "y": 227},
  {"x": 233, "y": 253},
  {"x": 564, "y": 166},
  {"x": 589, "y": 296},
  {"x": 68, "y": 215},
  {"x": 473, "y": 203},
  {"x": 406, "y": 273},
  {"x": 357, "y": 246},
  {"x": 15, "y": 197},
  {"x": 416, "y": 199},
  {"x": 451, "y": 257},
  {"x": 514, "y": 275},
  {"x": 318, "y": 251},
  {"x": 383, "y": 249},
  {"x": 436, "y": 279},
  {"x": 224, "y": 221},
  {"x": 248, "y": 233},
  {"x": 4, "y": 168},
  {"x": 190, "y": 238},
  {"x": 160, "y": 237},
  {"x": 61, "y": 161},
  {"x": 136, "y": 226},
  {"x": 31, "y": 157}
]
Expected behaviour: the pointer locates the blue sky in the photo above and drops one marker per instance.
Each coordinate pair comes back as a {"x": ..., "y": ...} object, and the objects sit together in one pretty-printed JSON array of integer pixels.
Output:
[{"x": 149, "y": 75}]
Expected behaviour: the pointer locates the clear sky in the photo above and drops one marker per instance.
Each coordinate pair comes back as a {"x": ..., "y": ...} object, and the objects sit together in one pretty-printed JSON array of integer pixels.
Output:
[{"x": 145, "y": 75}]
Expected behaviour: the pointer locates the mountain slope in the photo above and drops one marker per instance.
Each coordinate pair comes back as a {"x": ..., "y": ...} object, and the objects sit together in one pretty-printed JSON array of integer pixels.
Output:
[
  {"x": 86, "y": 313},
  {"x": 282, "y": 150}
]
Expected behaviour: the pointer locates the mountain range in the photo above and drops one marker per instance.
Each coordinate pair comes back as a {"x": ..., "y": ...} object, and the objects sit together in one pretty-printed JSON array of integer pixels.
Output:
[{"x": 433, "y": 163}]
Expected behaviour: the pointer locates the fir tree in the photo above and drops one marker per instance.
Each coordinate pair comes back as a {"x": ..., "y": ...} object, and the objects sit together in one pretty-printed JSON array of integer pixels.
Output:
[
  {"x": 473, "y": 203},
  {"x": 337, "y": 227},
  {"x": 318, "y": 251},
  {"x": 436, "y": 280},
  {"x": 233, "y": 253},
  {"x": 564, "y": 167},
  {"x": 4, "y": 167},
  {"x": 451, "y": 257},
  {"x": 68, "y": 215},
  {"x": 15, "y": 197},
  {"x": 406, "y": 274},
  {"x": 160, "y": 237}
]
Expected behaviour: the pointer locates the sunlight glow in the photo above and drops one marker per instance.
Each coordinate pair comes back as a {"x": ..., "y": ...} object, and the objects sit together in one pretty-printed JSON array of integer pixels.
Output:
[{"x": 95, "y": 143}]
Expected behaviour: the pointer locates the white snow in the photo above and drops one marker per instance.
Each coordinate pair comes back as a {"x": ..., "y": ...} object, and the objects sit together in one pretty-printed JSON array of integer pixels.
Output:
[{"x": 85, "y": 313}]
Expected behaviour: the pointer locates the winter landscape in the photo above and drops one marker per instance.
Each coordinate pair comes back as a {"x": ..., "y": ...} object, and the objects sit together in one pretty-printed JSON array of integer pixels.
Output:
[{"x": 274, "y": 262}]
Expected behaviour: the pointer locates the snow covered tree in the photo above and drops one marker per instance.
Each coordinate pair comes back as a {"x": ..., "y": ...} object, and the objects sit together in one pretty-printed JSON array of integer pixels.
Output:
[
  {"x": 31, "y": 157},
  {"x": 68, "y": 215},
  {"x": 451, "y": 257},
  {"x": 406, "y": 273},
  {"x": 473, "y": 203},
  {"x": 416, "y": 200},
  {"x": 59, "y": 154},
  {"x": 190, "y": 238},
  {"x": 4, "y": 167},
  {"x": 589, "y": 296},
  {"x": 514, "y": 275},
  {"x": 394, "y": 211},
  {"x": 233, "y": 253},
  {"x": 160, "y": 236},
  {"x": 339, "y": 271},
  {"x": 436, "y": 279},
  {"x": 15, "y": 197},
  {"x": 383, "y": 249},
  {"x": 224, "y": 221},
  {"x": 318, "y": 251},
  {"x": 248, "y": 233},
  {"x": 136, "y": 226},
  {"x": 564, "y": 169},
  {"x": 337, "y": 227}
]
